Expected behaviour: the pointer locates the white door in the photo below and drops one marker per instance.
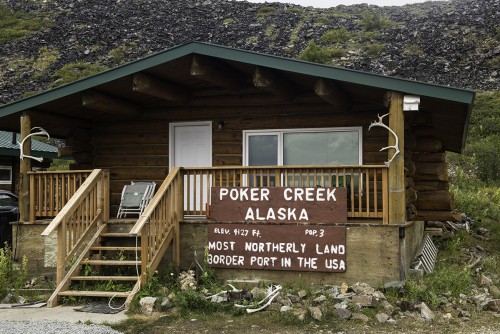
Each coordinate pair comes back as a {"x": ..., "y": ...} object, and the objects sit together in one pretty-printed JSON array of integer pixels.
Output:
[{"x": 191, "y": 146}]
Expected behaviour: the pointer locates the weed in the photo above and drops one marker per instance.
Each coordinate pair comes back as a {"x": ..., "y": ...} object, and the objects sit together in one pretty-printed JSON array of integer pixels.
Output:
[
  {"x": 15, "y": 25},
  {"x": 374, "y": 21},
  {"x": 412, "y": 50},
  {"x": 75, "y": 71},
  {"x": 374, "y": 50},
  {"x": 46, "y": 58},
  {"x": 228, "y": 21},
  {"x": 296, "y": 10},
  {"x": 12, "y": 279},
  {"x": 340, "y": 35},
  {"x": 265, "y": 11},
  {"x": 119, "y": 54},
  {"x": 321, "y": 21},
  {"x": 315, "y": 53}
]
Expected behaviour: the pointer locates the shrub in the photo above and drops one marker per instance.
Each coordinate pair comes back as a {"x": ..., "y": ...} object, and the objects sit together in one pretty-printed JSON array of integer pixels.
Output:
[
  {"x": 340, "y": 35},
  {"x": 374, "y": 21},
  {"x": 321, "y": 21},
  {"x": 11, "y": 278},
  {"x": 315, "y": 53}
]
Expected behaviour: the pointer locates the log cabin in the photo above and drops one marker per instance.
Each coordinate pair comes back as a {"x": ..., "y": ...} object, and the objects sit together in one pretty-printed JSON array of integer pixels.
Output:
[{"x": 211, "y": 125}]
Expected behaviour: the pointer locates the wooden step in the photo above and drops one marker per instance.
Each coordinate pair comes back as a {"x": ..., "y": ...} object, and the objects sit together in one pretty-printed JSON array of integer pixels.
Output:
[
  {"x": 104, "y": 278},
  {"x": 114, "y": 248},
  {"x": 117, "y": 235},
  {"x": 94, "y": 293},
  {"x": 111, "y": 262}
]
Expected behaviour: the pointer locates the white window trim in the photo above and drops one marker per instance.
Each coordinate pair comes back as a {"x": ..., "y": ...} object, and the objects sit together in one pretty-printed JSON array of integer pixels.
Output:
[
  {"x": 9, "y": 168},
  {"x": 280, "y": 132}
]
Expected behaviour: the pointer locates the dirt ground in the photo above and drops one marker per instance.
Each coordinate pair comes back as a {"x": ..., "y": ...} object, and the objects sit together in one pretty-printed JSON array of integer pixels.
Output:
[{"x": 483, "y": 323}]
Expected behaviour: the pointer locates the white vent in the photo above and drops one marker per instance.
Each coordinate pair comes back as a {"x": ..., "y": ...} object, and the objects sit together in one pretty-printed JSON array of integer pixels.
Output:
[{"x": 426, "y": 256}]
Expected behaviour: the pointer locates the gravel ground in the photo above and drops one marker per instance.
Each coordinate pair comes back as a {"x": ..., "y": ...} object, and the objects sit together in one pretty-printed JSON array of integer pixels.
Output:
[{"x": 52, "y": 327}]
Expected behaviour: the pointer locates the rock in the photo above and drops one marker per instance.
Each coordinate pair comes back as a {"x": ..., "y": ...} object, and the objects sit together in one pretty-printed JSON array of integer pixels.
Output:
[
  {"x": 218, "y": 299},
  {"x": 343, "y": 314},
  {"x": 360, "y": 316},
  {"x": 494, "y": 305},
  {"x": 464, "y": 314},
  {"x": 341, "y": 305},
  {"x": 166, "y": 303},
  {"x": 7, "y": 299},
  {"x": 399, "y": 285},
  {"x": 495, "y": 292},
  {"x": 300, "y": 314},
  {"x": 302, "y": 294},
  {"x": 425, "y": 312},
  {"x": 362, "y": 289},
  {"x": 391, "y": 321},
  {"x": 447, "y": 316},
  {"x": 379, "y": 295},
  {"x": 316, "y": 313},
  {"x": 343, "y": 288},
  {"x": 320, "y": 299},
  {"x": 382, "y": 317},
  {"x": 284, "y": 309},
  {"x": 147, "y": 304},
  {"x": 364, "y": 300}
]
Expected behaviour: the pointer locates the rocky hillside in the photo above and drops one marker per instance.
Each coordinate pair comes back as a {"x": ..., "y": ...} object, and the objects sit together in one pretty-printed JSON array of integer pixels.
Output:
[{"x": 50, "y": 42}]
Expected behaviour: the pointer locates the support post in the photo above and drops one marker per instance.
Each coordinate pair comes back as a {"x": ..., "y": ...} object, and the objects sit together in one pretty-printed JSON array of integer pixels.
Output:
[
  {"x": 24, "y": 168},
  {"x": 396, "y": 169}
]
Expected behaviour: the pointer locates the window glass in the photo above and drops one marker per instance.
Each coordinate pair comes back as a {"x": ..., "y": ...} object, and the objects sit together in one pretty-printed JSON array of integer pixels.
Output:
[
  {"x": 321, "y": 148},
  {"x": 263, "y": 150},
  {"x": 5, "y": 174}
]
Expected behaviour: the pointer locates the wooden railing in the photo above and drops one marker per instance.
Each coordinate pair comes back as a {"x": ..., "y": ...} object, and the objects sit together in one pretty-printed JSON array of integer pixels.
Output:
[
  {"x": 367, "y": 186},
  {"x": 50, "y": 191},
  {"x": 83, "y": 212},
  {"x": 158, "y": 226}
]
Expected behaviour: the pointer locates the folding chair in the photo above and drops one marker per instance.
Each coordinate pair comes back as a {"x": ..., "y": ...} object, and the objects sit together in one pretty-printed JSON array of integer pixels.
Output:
[{"x": 135, "y": 198}]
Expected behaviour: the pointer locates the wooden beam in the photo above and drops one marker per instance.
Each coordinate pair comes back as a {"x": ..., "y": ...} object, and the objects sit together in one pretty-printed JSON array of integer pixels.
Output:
[
  {"x": 397, "y": 214},
  {"x": 46, "y": 120},
  {"x": 110, "y": 105},
  {"x": 331, "y": 93},
  {"x": 25, "y": 167},
  {"x": 273, "y": 83},
  {"x": 216, "y": 73},
  {"x": 148, "y": 85}
]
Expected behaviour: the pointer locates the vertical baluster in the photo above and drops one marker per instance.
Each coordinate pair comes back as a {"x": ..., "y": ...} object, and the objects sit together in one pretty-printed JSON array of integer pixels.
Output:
[{"x": 367, "y": 192}]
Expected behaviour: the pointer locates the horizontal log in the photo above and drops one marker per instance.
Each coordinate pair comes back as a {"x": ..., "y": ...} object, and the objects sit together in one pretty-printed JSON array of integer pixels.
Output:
[
  {"x": 215, "y": 72},
  {"x": 149, "y": 85},
  {"x": 374, "y": 144},
  {"x": 227, "y": 148},
  {"x": 77, "y": 166},
  {"x": 84, "y": 157},
  {"x": 375, "y": 158},
  {"x": 410, "y": 140},
  {"x": 429, "y": 177},
  {"x": 375, "y": 132},
  {"x": 273, "y": 82},
  {"x": 435, "y": 200},
  {"x": 421, "y": 118},
  {"x": 227, "y": 136},
  {"x": 113, "y": 106},
  {"x": 130, "y": 161},
  {"x": 424, "y": 131},
  {"x": 138, "y": 173},
  {"x": 409, "y": 183},
  {"x": 428, "y": 144},
  {"x": 439, "y": 215},
  {"x": 331, "y": 93},
  {"x": 131, "y": 138},
  {"x": 431, "y": 185},
  {"x": 227, "y": 160},
  {"x": 132, "y": 150},
  {"x": 69, "y": 151},
  {"x": 79, "y": 134},
  {"x": 408, "y": 154},
  {"x": 429, "y": 157},
  {"x": 431, "y": 168},
  {"x": 411, "y": 212}
]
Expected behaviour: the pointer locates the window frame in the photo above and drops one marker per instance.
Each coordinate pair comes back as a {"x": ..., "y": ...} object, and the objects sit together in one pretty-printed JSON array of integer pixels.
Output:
[
  {"x": 9, "y": 168},
  {"x": 281, "y": 132}
]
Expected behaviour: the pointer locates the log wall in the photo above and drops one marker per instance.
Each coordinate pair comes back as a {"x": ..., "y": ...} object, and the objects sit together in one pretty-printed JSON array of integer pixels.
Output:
[{"x": 138, "y": 150}]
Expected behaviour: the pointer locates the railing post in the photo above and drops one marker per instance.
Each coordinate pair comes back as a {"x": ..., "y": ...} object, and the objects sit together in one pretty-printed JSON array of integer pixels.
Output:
[
  {"x": 385, "y": 197},
  {"x": 61, "y": 251},
  {"x": 32, "y": 197},
  {"x": 144, "y": 253},
  {"x": 24, "y": 168},
  {"x": 179, "y": 195}
]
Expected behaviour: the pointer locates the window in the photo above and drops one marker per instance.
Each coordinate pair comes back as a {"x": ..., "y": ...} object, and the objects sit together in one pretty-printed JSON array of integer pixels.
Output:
[
  {"x": 320, "y": 147},
  {"x": 302, "y": 147},
  {"x": 5, "y": 175}
]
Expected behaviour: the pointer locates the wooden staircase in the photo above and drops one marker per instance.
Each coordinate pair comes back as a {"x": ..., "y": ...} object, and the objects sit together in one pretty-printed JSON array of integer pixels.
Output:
[
  {"x": 99, "y": 257},
  {"x": 109, "y": 268}
]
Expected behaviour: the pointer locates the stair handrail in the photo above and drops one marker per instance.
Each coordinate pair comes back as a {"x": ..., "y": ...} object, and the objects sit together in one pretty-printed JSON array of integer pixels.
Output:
[
  {"x": 86, "y": 209},
  {"x": 158, "y": 225}
]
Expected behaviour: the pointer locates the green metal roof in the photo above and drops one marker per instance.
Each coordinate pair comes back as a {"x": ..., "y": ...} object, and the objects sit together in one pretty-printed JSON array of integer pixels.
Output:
[
  {"x": 38, "y": 148},
  {"x": 270, "y": 61}
]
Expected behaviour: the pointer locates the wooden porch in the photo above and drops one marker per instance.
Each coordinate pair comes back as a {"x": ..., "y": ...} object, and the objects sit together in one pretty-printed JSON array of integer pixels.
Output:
[{"x": 80, "y": 203}]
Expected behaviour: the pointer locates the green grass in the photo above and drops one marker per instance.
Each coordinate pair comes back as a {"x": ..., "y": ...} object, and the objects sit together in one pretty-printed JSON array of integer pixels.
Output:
[
  {"x": 14, "y": 25},
  {"x": 265, "y": 11},
  {"x": 75, "y": 71},
  {"x": 374, "y": 50},
  {"x": 374, "y": 21},
  {"x": 340, "y": 35}
]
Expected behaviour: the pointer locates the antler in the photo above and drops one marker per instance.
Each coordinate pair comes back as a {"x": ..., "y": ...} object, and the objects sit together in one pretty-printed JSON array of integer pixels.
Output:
[
  {"x": 41, "y": 132},
  {"x": 396, "y": 144}
]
